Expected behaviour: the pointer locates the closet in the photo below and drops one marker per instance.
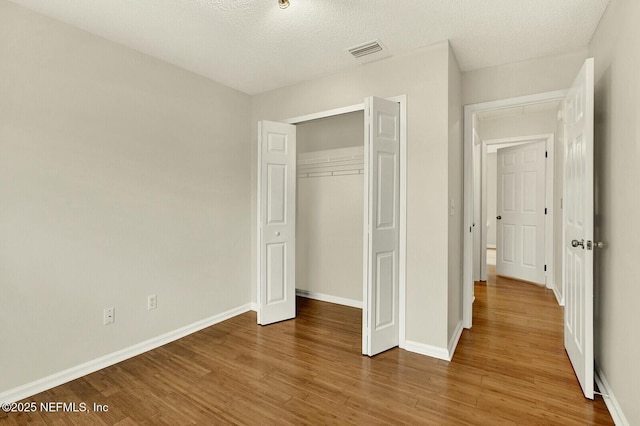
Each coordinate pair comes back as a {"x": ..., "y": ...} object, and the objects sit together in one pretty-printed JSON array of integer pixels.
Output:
[
  {"x": 329, "y": 210},
  {"x": 319, "y": 185}
]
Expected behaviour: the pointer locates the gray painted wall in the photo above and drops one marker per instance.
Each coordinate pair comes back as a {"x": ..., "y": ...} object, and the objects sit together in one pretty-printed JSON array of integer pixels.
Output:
[
  {"x": 340, "y": 131},
  {"x": 330, "y": 210},
  {"x": 120, "y": 176},
  {"x": 617, "y": 152}
]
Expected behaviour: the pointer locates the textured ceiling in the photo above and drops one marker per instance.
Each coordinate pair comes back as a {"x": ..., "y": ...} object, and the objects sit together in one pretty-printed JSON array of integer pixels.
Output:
[{"x": 253, "y": 46}]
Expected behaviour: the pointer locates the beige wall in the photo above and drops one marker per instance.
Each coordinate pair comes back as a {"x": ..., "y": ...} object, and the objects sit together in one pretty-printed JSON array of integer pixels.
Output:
[
  {"x": 617, "y": 154},
  {"x": 120, "y": 176},
  {"x": 331, "y": 133},
  {"x": 329, "y": 236},
  {"x": 529, "y": 123},
  {"x": 423, "y": 77},
  {"x": 329, "y": 210},
  {"x": 536, "y": 75}
]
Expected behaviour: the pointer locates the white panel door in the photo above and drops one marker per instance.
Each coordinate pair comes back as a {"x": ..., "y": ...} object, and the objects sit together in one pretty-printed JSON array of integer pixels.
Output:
[
  {"x": 380, "y": 325},
  {"x": 578, "y": 228},
  {"x": 277, "y": 222},
  {"x": 520, "y": 232}
]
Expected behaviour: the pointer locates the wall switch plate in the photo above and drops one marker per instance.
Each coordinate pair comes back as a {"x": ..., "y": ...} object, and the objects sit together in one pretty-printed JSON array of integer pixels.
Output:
[
  {"x": 109, "y": 315},
  {"x": 152, "y": 301}
]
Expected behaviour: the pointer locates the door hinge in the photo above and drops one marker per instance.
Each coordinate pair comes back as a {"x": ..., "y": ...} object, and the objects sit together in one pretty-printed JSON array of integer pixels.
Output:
[
  {"x": 545, "y": 210},
  {"x": 545, "y": 268},
  {"x": 546, "y": 154}
]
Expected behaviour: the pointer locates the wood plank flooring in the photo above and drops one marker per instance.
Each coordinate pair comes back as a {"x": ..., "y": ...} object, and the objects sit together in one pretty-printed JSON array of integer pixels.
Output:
[{"x": 511, "y": 368}]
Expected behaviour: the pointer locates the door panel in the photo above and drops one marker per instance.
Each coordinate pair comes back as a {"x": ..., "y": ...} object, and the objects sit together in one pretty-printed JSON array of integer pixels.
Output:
[
  {"x": 578, "y": 227},
  {"x": 276, "y": 235},
  {"x": 276, "y": 279},
  {"x": 276, "y": 194},
  {"x": 382, "y": 203},
  {"x": 520, "y": 252},
  {"x": 385, "y": 266}
]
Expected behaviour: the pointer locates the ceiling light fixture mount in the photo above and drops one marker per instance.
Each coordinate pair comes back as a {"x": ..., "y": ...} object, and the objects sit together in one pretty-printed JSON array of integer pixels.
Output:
[{"x": 283, "y": 4}]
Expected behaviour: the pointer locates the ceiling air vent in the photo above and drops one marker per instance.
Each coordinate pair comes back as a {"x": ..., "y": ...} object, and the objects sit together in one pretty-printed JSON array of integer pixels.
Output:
[{"x": 365, "y": 49}]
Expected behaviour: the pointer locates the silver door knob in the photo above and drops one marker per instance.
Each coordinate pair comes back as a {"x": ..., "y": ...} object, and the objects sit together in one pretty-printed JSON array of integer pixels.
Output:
[
  {"x": 576, "y": 243},
  {"x": 277, "y": 234}
]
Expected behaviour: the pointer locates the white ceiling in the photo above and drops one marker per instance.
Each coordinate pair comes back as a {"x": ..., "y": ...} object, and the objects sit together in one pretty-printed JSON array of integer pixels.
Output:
[{"x": 253, "y": 46}]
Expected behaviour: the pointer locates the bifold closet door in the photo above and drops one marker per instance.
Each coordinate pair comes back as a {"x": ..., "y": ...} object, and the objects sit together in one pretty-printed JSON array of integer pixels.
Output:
[
  {"x": 276, "y": 221},
  {"x": 382, "y": 205}
]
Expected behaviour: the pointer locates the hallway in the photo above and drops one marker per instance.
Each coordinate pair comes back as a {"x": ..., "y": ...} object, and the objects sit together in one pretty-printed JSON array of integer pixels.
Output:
[{"x": 517, "y": 339}]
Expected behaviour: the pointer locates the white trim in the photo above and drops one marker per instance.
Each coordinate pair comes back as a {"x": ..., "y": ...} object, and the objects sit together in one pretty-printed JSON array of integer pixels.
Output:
[
  {"x": 550, "y": 237},
  {"x": 428, "y": 350},
  {"x": 328, "y": 298},
  {"x": 455, "y": 338},
  {"x": 254, "y": 306},
  {"x": 609, "y": 399},
  {"x": 491, "y": 246},
  {"x": 558, "y": 298},
  {"x": 259, "y": 225},
  {"x": 365, "y": 236},
  {"x": 325, "y": 114},
  {"x": 56, "y": 379},
  {"x": 469, "y": 111},
  {"x": 402, "y": 244}
]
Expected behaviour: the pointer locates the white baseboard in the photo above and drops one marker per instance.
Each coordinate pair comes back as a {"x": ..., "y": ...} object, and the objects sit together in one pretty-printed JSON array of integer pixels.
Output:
[
  {"x": 428, "y": 350},
  {"x": 453, "y": 343},
  {"x": 254, "y": 306},
  {"x": 491, "y": 246},
  {"x": 558, "y": 298},
  {"x": 328, "y": 298},
  {"x": 610, "y": 400},
  {"x": 45, "y": 383}
]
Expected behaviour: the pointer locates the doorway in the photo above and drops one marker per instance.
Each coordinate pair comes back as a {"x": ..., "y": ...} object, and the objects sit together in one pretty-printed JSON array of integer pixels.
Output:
[
  {"x": 493, "y": 113},
  {"x": 384, "y": 239},
  {"x": 490, "y": 220}
]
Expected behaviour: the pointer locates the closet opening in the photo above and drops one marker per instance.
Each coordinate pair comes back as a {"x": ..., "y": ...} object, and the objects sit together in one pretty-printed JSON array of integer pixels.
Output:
[
  {"x": 348, "y": 167},
  {"x": 329, "y": 218}
]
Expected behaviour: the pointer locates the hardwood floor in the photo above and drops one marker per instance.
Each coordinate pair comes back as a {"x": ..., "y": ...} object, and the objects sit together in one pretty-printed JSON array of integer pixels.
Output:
[{"x": 511, "y": 368}]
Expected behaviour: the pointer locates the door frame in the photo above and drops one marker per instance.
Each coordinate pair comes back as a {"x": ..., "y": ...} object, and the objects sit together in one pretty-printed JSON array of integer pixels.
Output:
[
  {"x": 468, "y": 188},
  {"x": 402, "y": 252},
  {"x": 549, "y": 140}
]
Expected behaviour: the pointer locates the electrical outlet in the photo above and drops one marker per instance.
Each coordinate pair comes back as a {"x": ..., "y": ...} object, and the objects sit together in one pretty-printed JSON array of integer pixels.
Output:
[
  {"x": 109, "y": 315},
  {"x": 152, "y": 301}
]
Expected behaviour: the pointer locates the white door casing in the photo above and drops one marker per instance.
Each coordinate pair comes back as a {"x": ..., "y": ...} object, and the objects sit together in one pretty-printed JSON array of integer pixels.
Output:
[
  {"x": 520, "y": 248},
  {"x": 277, "y": 221},
  {"x": 578, "y": 228},
  {"x": 382, "y": 204}
]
